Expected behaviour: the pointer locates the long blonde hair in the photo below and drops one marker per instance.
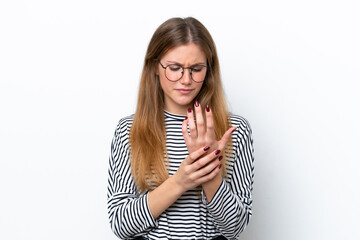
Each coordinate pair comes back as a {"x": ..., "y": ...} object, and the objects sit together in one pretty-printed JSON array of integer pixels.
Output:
[{"x": 147, "y": 134}]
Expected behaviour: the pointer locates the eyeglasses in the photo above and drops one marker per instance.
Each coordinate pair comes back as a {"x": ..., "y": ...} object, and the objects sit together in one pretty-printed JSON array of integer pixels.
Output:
[{"x": 175, "y": 72}]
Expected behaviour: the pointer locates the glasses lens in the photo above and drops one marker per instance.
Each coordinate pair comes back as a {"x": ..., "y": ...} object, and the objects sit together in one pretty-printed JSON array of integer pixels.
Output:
[
  {"x": 198, "y": 73},
  {"x": 174, "y": 72}
]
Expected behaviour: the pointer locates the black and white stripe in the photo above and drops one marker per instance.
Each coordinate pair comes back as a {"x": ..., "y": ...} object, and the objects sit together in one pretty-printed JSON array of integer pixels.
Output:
[{"x": 190, "y": 217}]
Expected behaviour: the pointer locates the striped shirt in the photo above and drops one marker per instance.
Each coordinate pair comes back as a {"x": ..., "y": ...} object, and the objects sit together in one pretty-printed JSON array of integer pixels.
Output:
[{"x": 191, "y": 216}]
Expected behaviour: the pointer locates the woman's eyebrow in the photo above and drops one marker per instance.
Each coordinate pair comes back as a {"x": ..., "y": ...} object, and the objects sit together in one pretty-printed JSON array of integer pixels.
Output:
[
  {"x": 177, "y": 63},
  {"x": 174, "y": 62}
]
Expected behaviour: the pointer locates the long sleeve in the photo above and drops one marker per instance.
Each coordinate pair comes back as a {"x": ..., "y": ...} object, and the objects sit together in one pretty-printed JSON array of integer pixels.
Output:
[
  {"x": 128, "y": 211},
  {"x": 231, "y": 206}
]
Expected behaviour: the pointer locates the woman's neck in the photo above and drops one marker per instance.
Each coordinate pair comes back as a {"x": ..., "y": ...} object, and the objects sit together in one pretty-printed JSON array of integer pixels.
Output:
[{"x": 179, "y": 110}]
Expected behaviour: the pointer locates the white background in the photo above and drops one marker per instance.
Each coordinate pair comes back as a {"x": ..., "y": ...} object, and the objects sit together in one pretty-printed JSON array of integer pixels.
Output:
[{"x": 69, "y": 70}]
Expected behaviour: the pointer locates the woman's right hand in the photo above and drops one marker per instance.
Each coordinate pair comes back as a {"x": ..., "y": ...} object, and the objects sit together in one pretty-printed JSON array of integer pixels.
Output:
[{"x": 197, "y": 168}]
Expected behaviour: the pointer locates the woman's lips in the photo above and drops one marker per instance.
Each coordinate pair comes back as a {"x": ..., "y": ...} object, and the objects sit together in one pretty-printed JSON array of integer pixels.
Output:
[{"x": 184, "y": 91}]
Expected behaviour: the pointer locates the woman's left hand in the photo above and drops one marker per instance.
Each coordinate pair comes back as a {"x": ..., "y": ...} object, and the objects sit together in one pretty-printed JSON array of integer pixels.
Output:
[{"x": 199, "y": 134}]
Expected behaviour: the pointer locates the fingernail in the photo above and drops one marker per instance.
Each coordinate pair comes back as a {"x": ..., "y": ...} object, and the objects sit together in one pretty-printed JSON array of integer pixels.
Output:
[
  {"x": 189, "y": 110},
  {"x": 196, "y": 103},
  {"x": 233, "y": 130},
  {"x": 220, "y": 158},
  {"x": 220, "y": 166},
  {"x": 207, "y": 108},
  {"x": 206, "y": 148},
  {"x": 217, "y": 152}
]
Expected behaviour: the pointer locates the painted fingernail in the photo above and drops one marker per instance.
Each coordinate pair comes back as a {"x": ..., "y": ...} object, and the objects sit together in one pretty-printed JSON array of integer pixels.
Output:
[
  {"x": 185, "y": 118},
  {"x": 189, "y": 110},
  {"x": 220, "y": 166},
  {"x": 196, "y": 103},
  {"x": 220, "y": 158},
  {"x": 217, "y": 152},
  {"x": 233, "y": 130},
  {"x": 207, "y": 108},
  {"x": 206, "y": 148}
]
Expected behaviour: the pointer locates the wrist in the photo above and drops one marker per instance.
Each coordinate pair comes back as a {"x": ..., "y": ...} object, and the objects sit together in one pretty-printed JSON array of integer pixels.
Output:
[
  {"x": 211, "y": 187},
  {"x": 176, "y": 185},
  {"x": 163, "y": 196}
]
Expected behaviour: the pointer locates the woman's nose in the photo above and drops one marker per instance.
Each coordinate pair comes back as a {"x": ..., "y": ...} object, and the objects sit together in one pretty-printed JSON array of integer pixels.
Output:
[{"x": 186, "y": 78}]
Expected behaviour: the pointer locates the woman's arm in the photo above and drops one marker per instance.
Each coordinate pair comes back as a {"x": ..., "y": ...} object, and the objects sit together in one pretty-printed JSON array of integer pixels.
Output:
[
  {"x": 231, "y": 205},
  {"x": 228, "y": 202},
  {"x": 128, "y": 211}
]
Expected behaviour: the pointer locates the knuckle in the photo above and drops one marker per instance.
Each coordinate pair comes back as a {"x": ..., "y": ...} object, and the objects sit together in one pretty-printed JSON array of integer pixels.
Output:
[
  {"x": 209, "y": 142},
  {"x": 200, "y": 123},
  {"x": 192, "y": 158},
  {"x": 192, "y": 128},
  {"x": 210, "y": 126},
  {"x": 191, "y": 178},
  {"x": 198, "y": 164}
]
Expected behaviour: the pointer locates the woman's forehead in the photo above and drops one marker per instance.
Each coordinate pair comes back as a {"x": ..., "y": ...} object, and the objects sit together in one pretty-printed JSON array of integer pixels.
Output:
[{"x": 184, "y": 54}]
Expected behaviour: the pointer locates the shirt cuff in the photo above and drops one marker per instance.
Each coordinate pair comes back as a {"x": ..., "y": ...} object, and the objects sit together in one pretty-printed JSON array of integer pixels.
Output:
[
  {"x": 217, "y": 196},
  {"x": 150, "y": 219}
]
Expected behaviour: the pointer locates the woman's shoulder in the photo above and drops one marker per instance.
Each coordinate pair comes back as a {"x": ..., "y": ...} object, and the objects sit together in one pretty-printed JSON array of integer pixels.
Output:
[
  {"x": 124, "y": 124},
  {"x": 127, "y": 119},
  {"x": 240, "y": 122}
]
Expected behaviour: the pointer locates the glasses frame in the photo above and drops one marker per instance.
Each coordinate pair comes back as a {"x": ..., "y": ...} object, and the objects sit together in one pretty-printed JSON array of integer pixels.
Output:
[{"x": 183, "y": 70}]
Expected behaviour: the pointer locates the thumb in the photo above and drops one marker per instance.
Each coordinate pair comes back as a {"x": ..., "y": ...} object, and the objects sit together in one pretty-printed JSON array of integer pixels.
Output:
[{"x": 226, "y": 137}]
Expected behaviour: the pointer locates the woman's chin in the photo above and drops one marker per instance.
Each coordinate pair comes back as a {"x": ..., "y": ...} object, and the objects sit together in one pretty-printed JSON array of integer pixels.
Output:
[{"x": 185, "y": 104}]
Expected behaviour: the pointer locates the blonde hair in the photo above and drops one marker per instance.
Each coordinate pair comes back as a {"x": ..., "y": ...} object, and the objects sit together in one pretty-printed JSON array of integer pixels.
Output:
[{"x": 147, "y": 134}]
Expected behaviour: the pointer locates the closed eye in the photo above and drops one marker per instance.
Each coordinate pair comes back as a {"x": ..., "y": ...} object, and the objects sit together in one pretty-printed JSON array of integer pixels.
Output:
[
  {"x": 174, "y": 67},
  {"x": 197, "y": 68}
]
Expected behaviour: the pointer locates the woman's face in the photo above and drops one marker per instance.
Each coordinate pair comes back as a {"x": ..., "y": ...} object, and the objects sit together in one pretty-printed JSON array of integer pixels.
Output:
[{"x": 179, "y": 95}]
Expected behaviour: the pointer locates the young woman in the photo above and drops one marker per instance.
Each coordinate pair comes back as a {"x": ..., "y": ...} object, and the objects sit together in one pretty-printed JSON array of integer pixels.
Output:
[{"x": 181, "y": 167}]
